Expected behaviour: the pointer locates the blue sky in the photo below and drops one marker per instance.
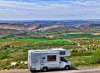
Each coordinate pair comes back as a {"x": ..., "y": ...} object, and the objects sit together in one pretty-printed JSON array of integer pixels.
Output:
[{"x": 49, "y": 9}]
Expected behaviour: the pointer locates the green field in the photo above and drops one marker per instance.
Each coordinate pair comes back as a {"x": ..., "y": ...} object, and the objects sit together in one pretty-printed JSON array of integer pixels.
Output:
[{"x": 83, "y": 35}]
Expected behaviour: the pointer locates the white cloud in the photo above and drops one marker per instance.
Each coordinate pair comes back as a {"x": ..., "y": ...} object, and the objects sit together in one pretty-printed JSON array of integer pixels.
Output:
[
  {"x": 31, "y": 10},
  {"x": 87, "y": 3}
]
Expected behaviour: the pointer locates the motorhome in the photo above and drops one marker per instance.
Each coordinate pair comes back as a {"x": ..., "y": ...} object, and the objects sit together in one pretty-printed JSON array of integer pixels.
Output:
[{"x": 48, "y": 59}]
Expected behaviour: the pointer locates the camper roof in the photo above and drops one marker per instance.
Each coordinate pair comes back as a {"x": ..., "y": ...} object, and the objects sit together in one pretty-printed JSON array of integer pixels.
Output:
[
  {"x": 57, "y": 49},
  {"x": 47, "y": 50},
  {"x": 51, "y": 51},
  {"x": 43, "y": 51}
]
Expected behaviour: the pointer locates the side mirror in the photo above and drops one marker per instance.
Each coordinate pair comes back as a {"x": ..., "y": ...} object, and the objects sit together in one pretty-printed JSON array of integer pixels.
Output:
[{"x": 66, "y": 61}]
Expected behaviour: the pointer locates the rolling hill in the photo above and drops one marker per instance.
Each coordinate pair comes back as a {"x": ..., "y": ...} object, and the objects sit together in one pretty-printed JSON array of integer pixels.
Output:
[
  {"x": 15, "y": 28},
  {"x": 69, "y": 28},
  {"x": 89, "y": 26}
]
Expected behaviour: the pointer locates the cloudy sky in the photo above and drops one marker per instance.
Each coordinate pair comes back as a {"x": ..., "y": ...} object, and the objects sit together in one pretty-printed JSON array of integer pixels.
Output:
[{"x": 49, "y": 9}]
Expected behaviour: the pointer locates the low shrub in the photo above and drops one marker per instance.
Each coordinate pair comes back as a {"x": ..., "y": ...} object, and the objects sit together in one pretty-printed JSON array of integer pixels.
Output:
[
  {"x": 80, "y": 53},
  {"x": 2, "y": 56},
  {"x": 6, "y": 46}
]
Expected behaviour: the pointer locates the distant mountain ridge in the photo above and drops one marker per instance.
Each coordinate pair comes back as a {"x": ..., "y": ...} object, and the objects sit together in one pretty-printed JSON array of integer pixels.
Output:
[
  {"x": 53, "y": 22},
  {"x": 15, "y": 28}
]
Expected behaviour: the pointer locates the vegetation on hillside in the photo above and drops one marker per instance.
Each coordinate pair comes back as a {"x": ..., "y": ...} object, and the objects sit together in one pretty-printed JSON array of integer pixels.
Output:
[{"x": 14, "y": 48}]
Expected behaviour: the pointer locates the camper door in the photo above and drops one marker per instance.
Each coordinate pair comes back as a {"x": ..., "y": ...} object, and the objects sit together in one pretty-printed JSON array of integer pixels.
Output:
[
  {"x": 37, "y": 62},
  {"x": 62, "y": 62}
]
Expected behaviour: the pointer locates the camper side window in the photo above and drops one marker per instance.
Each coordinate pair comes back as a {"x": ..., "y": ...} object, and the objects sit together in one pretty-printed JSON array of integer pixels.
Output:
[
  {"x": 62, "y": 52},
  {"x": 51, "y": 58}
]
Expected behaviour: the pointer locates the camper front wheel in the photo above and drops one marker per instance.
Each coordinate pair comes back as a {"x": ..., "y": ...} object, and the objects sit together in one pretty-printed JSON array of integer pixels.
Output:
[
  {"x": 32, "y": 71},
  {"x": 67, "y": 67},
  {"x": 45, "y": 69}
]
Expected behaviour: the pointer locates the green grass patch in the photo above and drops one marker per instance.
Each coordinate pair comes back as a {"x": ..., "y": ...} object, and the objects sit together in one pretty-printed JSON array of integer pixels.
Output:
[
  {"x": 82, "y": 35},
  {"x": 4, "y": 40}
]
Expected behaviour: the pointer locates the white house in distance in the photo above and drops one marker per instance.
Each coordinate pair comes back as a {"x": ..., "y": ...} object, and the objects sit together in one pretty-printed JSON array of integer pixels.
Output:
[{"x": 48, "y": 59}]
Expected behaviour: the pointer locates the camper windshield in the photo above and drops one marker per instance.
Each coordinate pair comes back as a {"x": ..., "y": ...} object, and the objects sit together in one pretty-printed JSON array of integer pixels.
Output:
[{"x": 63, "y": 59}]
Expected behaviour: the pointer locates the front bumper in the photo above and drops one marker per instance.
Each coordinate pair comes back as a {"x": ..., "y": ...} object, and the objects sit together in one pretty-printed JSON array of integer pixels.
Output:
[{"x": 70, "y": 66}]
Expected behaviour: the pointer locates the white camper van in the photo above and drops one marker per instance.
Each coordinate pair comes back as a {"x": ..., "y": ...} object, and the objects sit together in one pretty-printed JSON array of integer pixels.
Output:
[{"x": 48, "y": 59}]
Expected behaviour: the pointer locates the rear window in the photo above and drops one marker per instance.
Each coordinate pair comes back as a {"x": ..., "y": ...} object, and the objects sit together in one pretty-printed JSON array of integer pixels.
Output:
[{"x": 62, "y": 52}]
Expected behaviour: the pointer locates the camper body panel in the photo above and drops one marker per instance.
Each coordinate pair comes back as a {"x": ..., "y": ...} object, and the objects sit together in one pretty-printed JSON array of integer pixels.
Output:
[
  {"x": 48, "y": 63},
  {"x": 44, "y": 61}
]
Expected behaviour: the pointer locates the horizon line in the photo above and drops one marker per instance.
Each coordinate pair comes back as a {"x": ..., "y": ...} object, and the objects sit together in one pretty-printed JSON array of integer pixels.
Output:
[{"x": 50, "y": 20}]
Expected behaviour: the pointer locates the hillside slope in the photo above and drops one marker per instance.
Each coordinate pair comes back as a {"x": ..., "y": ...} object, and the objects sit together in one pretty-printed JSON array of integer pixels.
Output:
[
  {"x": 18, "y": 27},
  {"x": 89, "y": 26},
  {"x": 57, "y": 28}
]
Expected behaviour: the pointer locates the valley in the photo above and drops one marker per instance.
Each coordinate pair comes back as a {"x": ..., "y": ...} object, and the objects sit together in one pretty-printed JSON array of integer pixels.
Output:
[{"x": 83, "y": 41}]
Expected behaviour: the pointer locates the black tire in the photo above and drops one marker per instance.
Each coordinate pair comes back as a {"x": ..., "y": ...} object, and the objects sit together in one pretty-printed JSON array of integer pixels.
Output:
[
  {"x": 67, "y": 67},
  {"x": 32, "y": 71},
  {"x": 45, "y": 69}
]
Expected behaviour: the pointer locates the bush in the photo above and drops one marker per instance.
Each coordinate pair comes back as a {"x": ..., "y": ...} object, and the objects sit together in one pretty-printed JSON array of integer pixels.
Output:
[
  {"x": 81, "y": 53},
  {"x": 8, "y": 36},
  {"x": 74, "y": 51},
  {"x": 12, "y": 46},
  {"x": 95, "y": 58},
  {"x": 6, "y": 46},
  {"x": 2, "y": 56}
]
